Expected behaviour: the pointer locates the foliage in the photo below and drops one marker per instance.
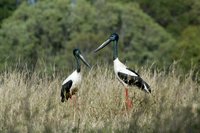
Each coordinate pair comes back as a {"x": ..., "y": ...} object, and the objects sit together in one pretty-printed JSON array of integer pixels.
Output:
[
  {"x": 175, "y": 16},
  {"x": 46, "y": 32},
  {"x": 49, "y": 30},
  {"x": 6, "y": 9},
  {"x": 31, "y": 103},
  {"x": 189, "y": 48}
]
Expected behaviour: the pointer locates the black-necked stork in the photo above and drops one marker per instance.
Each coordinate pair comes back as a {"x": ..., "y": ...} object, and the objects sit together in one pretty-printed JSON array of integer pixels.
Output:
[
  {"x": 126, "y": 76},
  {"x": 70, "y": 84}
]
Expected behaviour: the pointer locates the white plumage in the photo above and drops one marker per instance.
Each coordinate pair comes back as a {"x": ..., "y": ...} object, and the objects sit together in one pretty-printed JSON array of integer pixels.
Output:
[
  {"x": 128, "y": 77},
  {"x": 125, "y": 75},
  {"x": 120, "y": 67},
  {"x": 75, "y": 77},
  {"x": 71, "y": 83}
]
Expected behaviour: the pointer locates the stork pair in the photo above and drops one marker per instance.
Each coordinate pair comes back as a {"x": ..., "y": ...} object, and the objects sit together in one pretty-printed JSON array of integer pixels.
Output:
[{"x": 126, "y": 76}]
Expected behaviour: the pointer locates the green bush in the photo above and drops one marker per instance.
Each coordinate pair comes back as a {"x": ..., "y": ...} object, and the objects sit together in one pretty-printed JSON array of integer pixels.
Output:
[
  {"x": 175, "y": 16},
  {"x": 188, "y": 46},
  {"x": 49, "y": 30}
]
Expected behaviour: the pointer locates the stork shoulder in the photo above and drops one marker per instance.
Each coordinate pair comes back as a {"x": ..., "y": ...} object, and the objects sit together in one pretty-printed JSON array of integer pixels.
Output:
[
  {"x": 120, "y": 67},
  {"x": 133, "y": 72},
  {"x": 74, "y": 76},
  {"x": 118, "y": 64}
]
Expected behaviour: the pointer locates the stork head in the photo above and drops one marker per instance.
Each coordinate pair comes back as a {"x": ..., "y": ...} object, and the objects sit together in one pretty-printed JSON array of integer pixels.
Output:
[
  {"x": 77, "y": 54},
  {"x": 113, "y": 37}
]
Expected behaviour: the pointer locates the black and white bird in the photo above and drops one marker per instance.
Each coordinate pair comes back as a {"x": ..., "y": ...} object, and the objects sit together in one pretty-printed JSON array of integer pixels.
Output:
[
  {"x": 125, "y": 75},
  {"x": 70, "y": 84}
]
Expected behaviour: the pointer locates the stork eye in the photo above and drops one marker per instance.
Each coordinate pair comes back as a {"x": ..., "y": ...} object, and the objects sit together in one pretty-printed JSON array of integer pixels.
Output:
[
  {"x": 112, "y": 37},
  {"x": 77, "y": 52}
]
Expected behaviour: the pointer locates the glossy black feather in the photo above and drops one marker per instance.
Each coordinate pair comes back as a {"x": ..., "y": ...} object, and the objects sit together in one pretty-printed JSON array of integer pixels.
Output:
[
  {"x": 133, "y": 80},
  {"x": 66, "y": 90},
  {"x": 133, "y": 71}
]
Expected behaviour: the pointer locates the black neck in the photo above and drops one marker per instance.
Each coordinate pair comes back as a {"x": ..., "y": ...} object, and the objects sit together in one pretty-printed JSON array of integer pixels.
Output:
[
  {"x": 115, "y": 50},
  {"x": 78, "y": 67}
]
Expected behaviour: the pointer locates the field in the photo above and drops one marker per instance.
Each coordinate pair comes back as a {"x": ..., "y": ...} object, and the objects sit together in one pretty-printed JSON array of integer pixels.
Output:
[{"x": 31, "y": 103}]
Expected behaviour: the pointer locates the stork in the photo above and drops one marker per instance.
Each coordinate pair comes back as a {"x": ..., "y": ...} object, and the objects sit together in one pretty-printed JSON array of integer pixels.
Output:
[
  {"x": 70, "y": 84},
  {"x": 125, "y": 75}
]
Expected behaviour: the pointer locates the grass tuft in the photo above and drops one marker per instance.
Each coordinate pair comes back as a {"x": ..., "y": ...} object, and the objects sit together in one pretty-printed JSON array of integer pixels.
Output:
[{"x": 32, "y": 103}]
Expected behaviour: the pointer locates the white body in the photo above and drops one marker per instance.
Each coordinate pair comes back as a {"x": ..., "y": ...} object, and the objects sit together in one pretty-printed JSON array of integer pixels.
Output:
[
  {"x": 76, "y": 80},
  {"x": 120, "y": 67}
]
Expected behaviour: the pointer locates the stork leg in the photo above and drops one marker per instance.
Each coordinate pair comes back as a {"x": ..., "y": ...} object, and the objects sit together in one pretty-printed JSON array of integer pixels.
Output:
[
  {"x": 129, "y": 103},
  {"x": 73, "y": 100}
]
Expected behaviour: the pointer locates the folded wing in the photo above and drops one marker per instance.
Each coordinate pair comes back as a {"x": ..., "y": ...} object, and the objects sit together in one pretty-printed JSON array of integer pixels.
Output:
[
  {"x": 65, "y": 90},
  {"x": 131, "y": 80}
]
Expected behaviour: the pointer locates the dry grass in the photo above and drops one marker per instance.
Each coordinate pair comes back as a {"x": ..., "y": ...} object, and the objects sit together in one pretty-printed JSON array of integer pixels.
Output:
[{"x": 32, "y": 104}]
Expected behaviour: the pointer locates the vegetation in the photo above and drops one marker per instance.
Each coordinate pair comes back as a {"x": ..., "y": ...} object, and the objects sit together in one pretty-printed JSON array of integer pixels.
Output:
[
  {"x": 48, "y": 31},
  {"x": 189, "y": 46},
  {"x": 33, "y": 104},
  {"x": 175, "y": 16},
  {"x": 7, "y": 7},
  {"x": 36, "y": 42},
  {"x": 150, "y": 32}
]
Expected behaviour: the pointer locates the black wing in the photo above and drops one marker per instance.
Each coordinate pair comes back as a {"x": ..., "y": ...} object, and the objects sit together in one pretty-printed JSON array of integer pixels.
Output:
[
  {"x": 66, "y": 90},
  {"x": 133, "y": 71},
  {"x": 133, "y": 81}
]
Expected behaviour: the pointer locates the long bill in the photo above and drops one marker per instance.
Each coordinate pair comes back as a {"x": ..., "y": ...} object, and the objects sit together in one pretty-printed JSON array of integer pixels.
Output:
[
  {"x": 84, "y": 61},
  {"x": 102, "y": 45}
]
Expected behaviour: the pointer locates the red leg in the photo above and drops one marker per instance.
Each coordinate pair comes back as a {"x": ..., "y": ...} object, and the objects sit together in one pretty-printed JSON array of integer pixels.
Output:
[
  {"x": 75, "y": 101},
  {"x": 129, "y": 103}
]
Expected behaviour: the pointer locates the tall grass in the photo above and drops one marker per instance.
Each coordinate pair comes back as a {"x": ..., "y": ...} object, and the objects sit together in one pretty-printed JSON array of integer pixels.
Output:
[{"x": 32, "y": 103}]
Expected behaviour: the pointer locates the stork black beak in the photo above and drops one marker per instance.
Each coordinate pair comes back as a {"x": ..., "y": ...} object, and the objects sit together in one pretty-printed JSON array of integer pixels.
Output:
[
  {"x": 102, "y": 45},
  {"x": 84, "y": 61}
]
